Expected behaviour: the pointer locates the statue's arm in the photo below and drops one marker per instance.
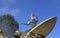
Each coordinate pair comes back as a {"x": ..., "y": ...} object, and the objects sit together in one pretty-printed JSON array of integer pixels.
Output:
[{"x": 24, "y": 23}]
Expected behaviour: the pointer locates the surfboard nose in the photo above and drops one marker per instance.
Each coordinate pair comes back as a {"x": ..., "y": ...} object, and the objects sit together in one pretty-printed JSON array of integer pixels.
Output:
[{"x": 54, "y": 18}]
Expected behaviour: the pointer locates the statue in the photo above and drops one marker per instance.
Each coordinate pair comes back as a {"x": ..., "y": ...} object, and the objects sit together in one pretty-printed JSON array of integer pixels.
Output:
[
  {"x": 32, "y": 22},
  {"x": 9, "y": 27}
]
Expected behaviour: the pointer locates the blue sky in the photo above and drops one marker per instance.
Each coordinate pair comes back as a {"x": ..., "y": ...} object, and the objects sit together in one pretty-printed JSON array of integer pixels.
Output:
[{"x": 43, "y": 9}]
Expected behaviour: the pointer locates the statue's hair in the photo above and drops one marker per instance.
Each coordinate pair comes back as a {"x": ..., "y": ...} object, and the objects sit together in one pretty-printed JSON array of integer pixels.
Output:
[{"x": 6, "y": 16}]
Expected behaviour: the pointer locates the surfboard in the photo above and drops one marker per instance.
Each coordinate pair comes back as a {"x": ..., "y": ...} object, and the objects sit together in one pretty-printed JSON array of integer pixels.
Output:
[{"x": 45, "y": 27}]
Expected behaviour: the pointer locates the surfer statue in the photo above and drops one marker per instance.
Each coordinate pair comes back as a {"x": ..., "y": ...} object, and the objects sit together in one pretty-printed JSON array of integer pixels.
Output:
[
  {"x": 9, "y": 28},
  {"x": 32, "y": 22}
]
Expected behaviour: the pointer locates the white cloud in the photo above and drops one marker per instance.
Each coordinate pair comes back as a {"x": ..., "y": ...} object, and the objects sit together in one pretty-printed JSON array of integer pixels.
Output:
[
  {"x": 9, "y": 11},
  {"x": 9, "y": 1},
  {"x": 6, "y": 9}
]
